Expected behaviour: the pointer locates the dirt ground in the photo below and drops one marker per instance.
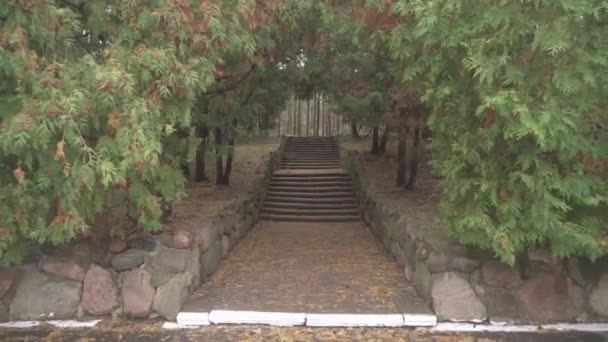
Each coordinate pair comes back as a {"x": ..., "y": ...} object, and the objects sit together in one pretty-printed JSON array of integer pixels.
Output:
[
  {"x": 204, "y": 200},
  {"x": 379, "y": 173},
  {"x": 153, "y": 332}
]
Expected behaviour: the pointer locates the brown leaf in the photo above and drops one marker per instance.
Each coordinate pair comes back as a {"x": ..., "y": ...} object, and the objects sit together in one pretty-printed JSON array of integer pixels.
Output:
[
  {"x": 19, "y": 174},
  {"x": 67, "y": 169},
  {"x": 59, "y": 151}
]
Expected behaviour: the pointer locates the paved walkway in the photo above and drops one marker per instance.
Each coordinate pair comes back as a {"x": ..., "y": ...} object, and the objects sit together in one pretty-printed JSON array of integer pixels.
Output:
[{"x": 308, "y": 267}]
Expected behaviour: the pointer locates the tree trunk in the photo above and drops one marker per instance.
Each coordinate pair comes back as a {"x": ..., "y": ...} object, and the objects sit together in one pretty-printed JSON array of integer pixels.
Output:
[
  {"x": 299, "y": 117},
  {"x": 384, "y": 141},
  {"x": 288, "y": 128},
  {"x": 202, "y": 131},
  {"x": 219, "y": 162},
  {"x": 375, "y": 142},
  {"x": 295, "y": 117},
  {"x": 414, "y": 161},
  {"x": 354, "y": 131},
  {"x": 228, "y": 170},
  {"x": 318, "y": 110},
  {"x": 308, "y": 117},
  {"x": 166, "y": 208},
  {"x": 279, "y": 125},
  {"x": 401, "y": 163}
]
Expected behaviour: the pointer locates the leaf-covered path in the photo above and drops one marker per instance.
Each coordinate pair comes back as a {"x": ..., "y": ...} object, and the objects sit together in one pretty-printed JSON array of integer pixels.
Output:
[
  {"x": 309, "y": 267},
  {"x": 259, "y": 333}
]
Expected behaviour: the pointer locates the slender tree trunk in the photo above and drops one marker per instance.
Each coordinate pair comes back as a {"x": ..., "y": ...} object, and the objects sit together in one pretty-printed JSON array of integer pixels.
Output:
[
  {"x": 308, "y": 117},
  {"x": 414, "y": 161},
  {"x": 279, "y": 125},
  {"x": 166, "y": 208},
  {"x": 228, "y": 170},
  {"x": 384, "y": 141},
  {"x": 202, "y": 132},
  {"x": 219, "y": 162},
  {"x": 354, "y": 131},
  {"x": 185, "y": 165},
  {"x": 288, "y": 128},
  {"x": 295, "y": 116},
  {"x": 401, "y": 163},
  {"x": 299, "y": 117},
  {"x": 318, "y": 110},
  {"x": 375, "y": 141},
  {"x": 326, "y": 113}
]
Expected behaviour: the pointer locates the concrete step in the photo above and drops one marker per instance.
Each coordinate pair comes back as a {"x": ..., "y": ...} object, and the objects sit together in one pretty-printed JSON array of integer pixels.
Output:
[
  {"x": 305, "y": 159},
  {"x": 311, "y": 155},
  {"x": 317, "y": 162},
  {"x": 311, "y": 179},
  {"x": 319, "y": 189},
  {"x": 286, "y": 196},
  {"x": 308, "y": 206},
  {"x": 311, "y": 212},
  {"x": 310, "y": 184},
  {"x": 299, "y": 173},
  {"x": 324, "y": 218},
  {"x": 311, "y": 200},
  {"x": 308, "y": 167}
]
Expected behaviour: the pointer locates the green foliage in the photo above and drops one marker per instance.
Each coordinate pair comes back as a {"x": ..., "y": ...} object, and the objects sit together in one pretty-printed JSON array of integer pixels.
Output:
[
  {"x": 91, "y": 96},
  {"x": 102, "y": 95},
  {"x": 518, "y": 91}
]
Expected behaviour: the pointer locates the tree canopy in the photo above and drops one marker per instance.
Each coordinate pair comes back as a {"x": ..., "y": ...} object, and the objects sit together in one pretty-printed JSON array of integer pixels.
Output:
[{"x": 100, "y": 96}]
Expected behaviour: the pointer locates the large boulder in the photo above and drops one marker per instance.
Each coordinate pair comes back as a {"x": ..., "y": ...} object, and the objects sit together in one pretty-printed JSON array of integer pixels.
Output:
[
  {"x": 165, "y": 262},
  {"x": 226, "y": 245},
  {"x": 4, "y": 312},
  {"x": 422, "y": 279},
  {"x": 454, "y": 299},
  {"x": 7, "y": 277},
  {"x": 546, "y": 298},
  {"x": 598, "y": 300},
  {"x": 63, "y": 267},
  {"x": 463, "y": 264},
  {"x": 99, "y": 292},
  {"x": 39, "y": 296},
  {"x": 437, "y": 262},
  {"x": 137, "y": 293},
  {"x": 171, "y": 296},
  {"x": 82, "y": 251},
  {"x": 210, "y": 260},
  {"x": 178, "y": 238},
  {"x": 118, "y": 246},
  {"x": 194, "y": 267},
  {"x": 205, "y": 236},
  {"x": 127, "y": 260},
  {"x": 498, "y": 274}
]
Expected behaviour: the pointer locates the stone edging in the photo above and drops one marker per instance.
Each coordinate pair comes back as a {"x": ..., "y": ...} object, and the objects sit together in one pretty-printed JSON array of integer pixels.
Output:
[
  {"x": 467, "y": 285},
  {"x": 152, "y": 277}
]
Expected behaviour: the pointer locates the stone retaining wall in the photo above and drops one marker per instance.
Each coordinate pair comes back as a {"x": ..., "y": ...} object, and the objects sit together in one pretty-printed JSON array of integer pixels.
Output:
[
  {"x": 148, "y": 277},
  {"x": 465, "y": 284}
]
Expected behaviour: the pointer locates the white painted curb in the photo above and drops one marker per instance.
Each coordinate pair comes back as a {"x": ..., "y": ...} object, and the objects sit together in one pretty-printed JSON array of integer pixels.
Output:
[
  {"x": 354, "y": 320},
  {"x": 419, "y": 320},
  {"x": 193, "y": 318},
  {"x": 70, "y": 324},
  {"x": 257, "y": 317},
  {"x": 508, "y": 328},
  {"x": 74, "y": 324},
  {"x": 19, "y": 324},
  {"x": 175, "y": 326}
]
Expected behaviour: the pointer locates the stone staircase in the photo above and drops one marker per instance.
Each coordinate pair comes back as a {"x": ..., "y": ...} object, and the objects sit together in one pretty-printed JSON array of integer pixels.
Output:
[{"x": 310, "y": 184}]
